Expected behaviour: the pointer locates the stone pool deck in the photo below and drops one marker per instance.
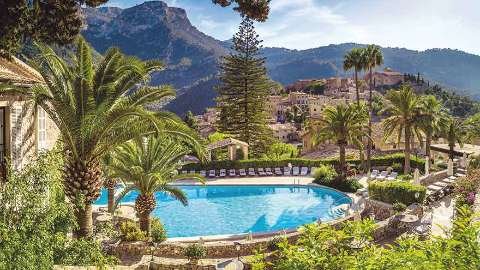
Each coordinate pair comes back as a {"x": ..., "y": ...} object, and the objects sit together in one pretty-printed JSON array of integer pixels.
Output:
[{"x": 270, "y": 180}]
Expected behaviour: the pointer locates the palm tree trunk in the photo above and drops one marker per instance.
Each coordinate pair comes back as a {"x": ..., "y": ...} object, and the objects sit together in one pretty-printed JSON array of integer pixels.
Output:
[
  {"x": 144, "y": 219},
  {"x": 85, "y": 222},
  {"x": 111, "y": 194},
  {"x": 406, "y": 168},
  {"x": 356, "y": 87},
  {"x": 342, "y": 160},
  {"x": 428, "y": 143},
  {"x": 451, "y": 152},
  {"x": 370, "y": 112}
]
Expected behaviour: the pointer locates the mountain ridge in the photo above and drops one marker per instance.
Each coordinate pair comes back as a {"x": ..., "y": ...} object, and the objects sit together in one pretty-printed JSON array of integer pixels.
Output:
[{"x": 155, "y": 30}]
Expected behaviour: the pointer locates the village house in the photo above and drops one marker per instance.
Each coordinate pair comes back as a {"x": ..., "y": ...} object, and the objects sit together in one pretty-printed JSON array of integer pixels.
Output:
[
  {"x": 206, "y": 122},
  {"x": 284, "y": 132},
  {"x": 24, "y": 129},
  {"x": 386, "y": 77}
]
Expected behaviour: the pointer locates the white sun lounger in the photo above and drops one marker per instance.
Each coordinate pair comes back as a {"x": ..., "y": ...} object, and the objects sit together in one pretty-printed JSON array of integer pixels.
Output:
[
  {"x": 251, "y": 172},
  {"x": 373, "y": 174},
  {"x": 382, "y": 176},
  {"x": 203, "y": 173},
  {"x": 192, "y": 172},
  {"x": 392, "y": 176},
  {"x": 296, "y": 171},
  {"x": 286, "y": 171},
  {"x": 261, "y": 172},
  {"x": 242, "y": 172},
  {"x": 211, "y": 174},
  {"x": 278, "y": 171},
  {"x": 223, "y": 173},
  {"x": 232, "y": 173},
  {"x": 312, "y": 170},
  {"x": 184, "y": 172},
  {"x": 304, "y": 171},
  {"x": 268, "y": 171}
]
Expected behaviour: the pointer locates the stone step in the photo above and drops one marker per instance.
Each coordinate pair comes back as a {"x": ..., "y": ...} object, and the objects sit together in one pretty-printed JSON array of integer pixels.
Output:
[
  {"x": 434, "y": 188},
  {"x": 440, "y": 184},
  {"x": 449, "y": 181},
  {"x": 460, "y": 175}
]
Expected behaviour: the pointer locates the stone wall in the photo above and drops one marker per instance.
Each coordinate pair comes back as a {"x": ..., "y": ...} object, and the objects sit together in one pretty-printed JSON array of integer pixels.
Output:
[
  {"x": 215, "y": 249},
  {"x": 433, "y": 177},
  {"x": 379, "y": 209}
]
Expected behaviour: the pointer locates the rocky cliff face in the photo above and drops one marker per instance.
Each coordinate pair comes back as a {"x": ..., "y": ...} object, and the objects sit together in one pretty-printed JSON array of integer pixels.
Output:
[{"x": 153, "y": 30}]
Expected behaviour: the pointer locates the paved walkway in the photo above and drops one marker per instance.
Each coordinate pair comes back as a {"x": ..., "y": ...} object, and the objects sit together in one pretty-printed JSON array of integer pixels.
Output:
[
  {"x": 273, "y": 180},
  {"x": 442, "y": 215}
]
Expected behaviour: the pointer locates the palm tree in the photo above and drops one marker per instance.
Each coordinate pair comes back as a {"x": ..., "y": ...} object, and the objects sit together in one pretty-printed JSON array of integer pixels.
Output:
[
  {"x": 403, "y": 118},
  {"x": 355, "y": 59},
  {"x": 373, "y": 58},
  {"x": 149, "y": 165},
  {"x": 96, "y": 108},
  {"x": 109, "y": 182},
  {"x": 344, "y": 124},
  {"x": 454, "y": 132},
  {"x": 433, "y": 118}
]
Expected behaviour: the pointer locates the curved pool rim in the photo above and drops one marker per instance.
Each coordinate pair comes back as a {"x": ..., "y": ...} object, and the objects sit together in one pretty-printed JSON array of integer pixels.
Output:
[{"x": 255, "y": 235}]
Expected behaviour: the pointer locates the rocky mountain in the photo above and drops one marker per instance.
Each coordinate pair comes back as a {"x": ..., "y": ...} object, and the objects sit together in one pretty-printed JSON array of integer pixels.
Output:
[{"x": 153, "y": 30}]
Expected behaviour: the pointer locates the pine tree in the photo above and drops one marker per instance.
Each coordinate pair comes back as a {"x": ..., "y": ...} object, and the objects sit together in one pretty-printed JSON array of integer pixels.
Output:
[
  {"x": 190, "y": 120},
  {"x": 244, "y": 89}
]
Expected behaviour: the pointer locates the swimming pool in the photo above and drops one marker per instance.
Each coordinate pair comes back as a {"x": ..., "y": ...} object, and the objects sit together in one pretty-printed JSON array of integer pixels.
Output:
[{"x": 224, "y": 210}]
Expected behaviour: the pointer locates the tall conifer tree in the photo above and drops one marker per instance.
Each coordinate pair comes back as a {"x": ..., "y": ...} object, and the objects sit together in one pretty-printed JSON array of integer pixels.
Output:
[{"x": 244, "y": 89}]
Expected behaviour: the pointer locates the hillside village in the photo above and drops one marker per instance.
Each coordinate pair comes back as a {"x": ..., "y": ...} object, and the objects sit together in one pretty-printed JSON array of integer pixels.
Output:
[{"x": 309, "y": 97}]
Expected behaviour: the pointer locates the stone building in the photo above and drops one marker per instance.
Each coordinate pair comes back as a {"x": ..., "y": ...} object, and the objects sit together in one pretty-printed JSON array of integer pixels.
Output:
[
  {"x": 284, "y": 132},
  {"x": 24, "y": 129},
  {"x": 386, "y": 77}
]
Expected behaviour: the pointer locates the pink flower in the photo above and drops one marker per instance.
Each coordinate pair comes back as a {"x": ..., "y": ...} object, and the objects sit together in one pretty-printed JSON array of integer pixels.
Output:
[{"x": 471, "y": 198}]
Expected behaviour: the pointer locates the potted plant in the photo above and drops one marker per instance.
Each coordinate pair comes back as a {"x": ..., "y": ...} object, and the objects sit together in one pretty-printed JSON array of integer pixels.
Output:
[{"x": 194, "y": 253}]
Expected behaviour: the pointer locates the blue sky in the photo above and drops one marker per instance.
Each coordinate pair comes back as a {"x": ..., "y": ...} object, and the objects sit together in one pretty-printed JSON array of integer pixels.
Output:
[{"x": 303, "y": 24}]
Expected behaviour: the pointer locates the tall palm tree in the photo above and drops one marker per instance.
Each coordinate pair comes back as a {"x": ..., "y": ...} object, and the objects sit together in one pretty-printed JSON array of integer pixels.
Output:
[
  {"x": 433, "y": 119},
  {"x": 343, "y": 124},
  {"x": 355, "y": 59},
  {"x": 454, "y": 132},
  {"x": 149, "y": 165},
  {"x": 403, "y": 118},
  {"x": 96, "y": 108},
  {"x": 109, "y": 182},
  {"x": 373, "y": 58}
]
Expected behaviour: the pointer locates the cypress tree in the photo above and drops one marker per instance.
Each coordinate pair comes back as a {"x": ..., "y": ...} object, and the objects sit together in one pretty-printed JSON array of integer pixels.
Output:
[{"x": 244, "y": 90}]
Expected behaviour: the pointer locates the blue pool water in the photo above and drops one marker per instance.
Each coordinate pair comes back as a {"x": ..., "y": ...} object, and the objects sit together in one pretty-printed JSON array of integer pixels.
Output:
[{"x": 219, "y": 210}]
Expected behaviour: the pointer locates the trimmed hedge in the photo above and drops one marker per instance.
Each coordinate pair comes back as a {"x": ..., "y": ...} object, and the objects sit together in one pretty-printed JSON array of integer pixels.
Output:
[
  {"x": 396, "y": 192},
  {"x": 383, "y": 161}
]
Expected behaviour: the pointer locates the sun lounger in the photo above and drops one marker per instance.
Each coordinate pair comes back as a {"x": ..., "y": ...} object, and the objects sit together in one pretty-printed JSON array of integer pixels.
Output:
[
  {"x": 312, "y": 170},
  {"x": 242, "y": 172},
  {"x": 268, "y": 171},
  {"x": 184, "y": 172},
  {"x": 382, "y": 176},
  {"x": 296, "y": 171},
  {"x": 232, "y": 173},
  {"x": 304, "y": 171},
  {"x": 192, "y": 172},
  {"x": 392, "y": 176},
  {"x": 212, "y": 174},
  {"x": 261, "y": 172},
  {"x": 251, "y": 172},
  {"x": 223, "y": 173},
  {"x": 278, "y": 171},
  {"x": 286, "y": 171},
  {"x": 203, "y": 173},
  {"x": 373, "y": 174}
]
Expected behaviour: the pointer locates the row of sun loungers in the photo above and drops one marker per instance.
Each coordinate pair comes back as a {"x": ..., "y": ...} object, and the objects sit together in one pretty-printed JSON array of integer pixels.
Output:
[
  {"x": 303, "y": 171},
  {"x": 383, "y": 175}
]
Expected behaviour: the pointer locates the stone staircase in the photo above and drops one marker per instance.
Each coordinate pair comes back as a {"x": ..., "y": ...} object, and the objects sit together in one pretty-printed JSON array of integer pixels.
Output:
[{"x": 443, "y": 187}]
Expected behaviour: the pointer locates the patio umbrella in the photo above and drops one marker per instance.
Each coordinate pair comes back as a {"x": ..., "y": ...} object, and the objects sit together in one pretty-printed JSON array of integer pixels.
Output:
[{"x": 416, "y": 176}]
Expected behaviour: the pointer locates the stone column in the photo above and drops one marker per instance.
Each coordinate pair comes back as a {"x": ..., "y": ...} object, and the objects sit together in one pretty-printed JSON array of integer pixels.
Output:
[
  {"x": 245, "y": 151},
  {"x": 232, "y": 152}
]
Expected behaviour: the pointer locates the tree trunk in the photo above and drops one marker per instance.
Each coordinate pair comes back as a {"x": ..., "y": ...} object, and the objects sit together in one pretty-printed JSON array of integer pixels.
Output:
[
  {"x": 451, "y": 153},
  {"x": 111, "y": 194},
  {"x": 406, "y": 168},
  {"x": 356, "y": 87},
  {"x": 428, "y": 143},
  {"x": 361, "y": 156},
  {"x": 144, "y": 219},
  {"x": 342, "y": 160},
  {"x": 85, "y": 222},
  {"x": 370, "y": 112}
]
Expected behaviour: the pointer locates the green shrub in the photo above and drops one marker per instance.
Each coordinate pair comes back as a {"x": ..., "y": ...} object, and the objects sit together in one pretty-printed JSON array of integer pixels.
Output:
[
  {"x": 397, "y": 167},
  {"x": 324, "y": 174},
  {"x": 157, "y": 231},
  {"x": 345, "y": 185},
  {"x": 399, "y": 207},
  {"x": 396, "y": 191},
  {"x": 273, "y": 244},
  {"x": 83, "y": 252},
  {"x": 130, "y": 231},
  {"x": 382, "y": 161},
  {"x": 106, "y": 229},
  {"x": 278, "y": 151},
  {"x": 195, "y": 252}
]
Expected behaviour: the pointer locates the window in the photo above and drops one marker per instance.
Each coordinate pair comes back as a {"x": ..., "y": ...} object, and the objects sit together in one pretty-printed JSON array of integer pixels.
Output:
[{"x": 42, "y": 129}]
